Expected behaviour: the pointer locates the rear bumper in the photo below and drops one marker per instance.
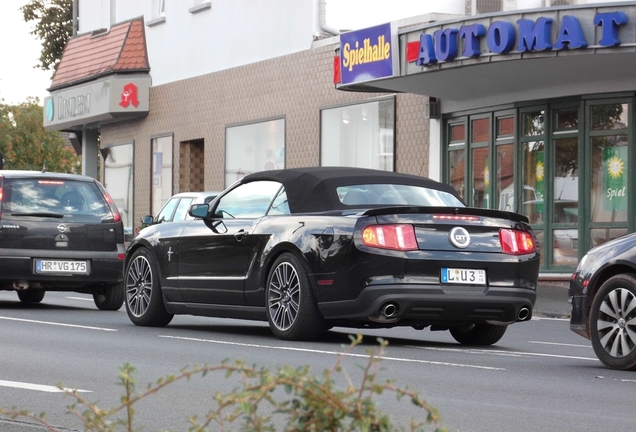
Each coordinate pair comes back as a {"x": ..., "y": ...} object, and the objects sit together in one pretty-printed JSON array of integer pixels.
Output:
[
  {"x": 434, "y": 304},
  {"x": 105, "y": 268}
]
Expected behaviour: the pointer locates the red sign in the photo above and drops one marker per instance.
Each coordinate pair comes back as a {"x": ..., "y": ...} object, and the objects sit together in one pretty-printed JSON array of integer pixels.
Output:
[{"x": 129, "y": 96}]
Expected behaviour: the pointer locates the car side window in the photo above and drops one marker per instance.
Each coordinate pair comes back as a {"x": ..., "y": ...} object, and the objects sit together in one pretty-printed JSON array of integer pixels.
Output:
[
  {"x": 249, "y": 200},
  {"x": 182, "y": 209},
  {"x": 165, "y": 215},
  {"x": 280, "y": 206}
]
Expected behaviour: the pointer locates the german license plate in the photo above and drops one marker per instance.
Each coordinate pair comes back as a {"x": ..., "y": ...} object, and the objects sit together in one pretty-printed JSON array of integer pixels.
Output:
[
  {"x": 44, "y": 266},
  {"x": 463, "y": 276}
]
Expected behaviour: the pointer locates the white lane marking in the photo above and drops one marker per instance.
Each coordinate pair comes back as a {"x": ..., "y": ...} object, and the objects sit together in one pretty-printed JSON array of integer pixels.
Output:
[
  {"x": 38, "y": 387},
  {"x": 503, "y": 353},
  {"x": 314, "y": 351},
  {"x": 560, "y": 344},
  {"x": 57, "y": 324},
  {"x": 535, "y": 318}
]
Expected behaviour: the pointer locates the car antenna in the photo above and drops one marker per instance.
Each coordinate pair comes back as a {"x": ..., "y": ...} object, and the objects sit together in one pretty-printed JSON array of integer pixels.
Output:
[{"x": 44, "y": 166}]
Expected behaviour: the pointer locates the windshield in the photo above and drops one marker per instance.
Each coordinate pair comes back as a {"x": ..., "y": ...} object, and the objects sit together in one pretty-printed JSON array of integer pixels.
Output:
[{"x": 395, "y": 194}]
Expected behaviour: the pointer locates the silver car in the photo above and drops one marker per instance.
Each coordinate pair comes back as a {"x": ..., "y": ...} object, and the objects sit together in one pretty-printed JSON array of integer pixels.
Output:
[{"x": 176, "y": 208}]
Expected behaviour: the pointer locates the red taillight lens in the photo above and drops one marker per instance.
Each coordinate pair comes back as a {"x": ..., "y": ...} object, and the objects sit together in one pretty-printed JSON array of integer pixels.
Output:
[
  {"x": 516, "y": 242},
  {"x": 111, "y": 203},
  {"x": 396, "y": 237}
]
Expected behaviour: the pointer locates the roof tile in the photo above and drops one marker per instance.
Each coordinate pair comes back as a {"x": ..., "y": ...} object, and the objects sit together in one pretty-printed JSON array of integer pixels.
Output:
[{"x": 121, "y": 49}]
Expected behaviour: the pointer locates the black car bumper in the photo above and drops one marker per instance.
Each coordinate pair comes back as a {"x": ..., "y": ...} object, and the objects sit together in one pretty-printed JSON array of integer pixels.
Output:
[
  {"x": 105, "y": 268},
  {"x": 434, "y": 305},
  {"x": 580, "y": 307}
]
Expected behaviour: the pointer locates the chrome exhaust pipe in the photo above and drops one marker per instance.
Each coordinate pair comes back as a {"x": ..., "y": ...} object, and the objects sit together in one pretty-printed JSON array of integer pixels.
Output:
[
  {"x": 20, "y": 285},
  {"x": 388, "y": 310},
  {"x": 524, "y": 314}
]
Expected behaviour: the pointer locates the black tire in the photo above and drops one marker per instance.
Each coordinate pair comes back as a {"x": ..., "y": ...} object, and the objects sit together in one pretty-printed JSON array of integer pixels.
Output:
[
  {"x": 613, "y": 322},
  {"x": 144, "y": 299},
  {"x": 31, "y": 295},
  {"x": 478, "y": 334},
  {"x": 110, "y": 297},
  {"x": 291, "y": 307}
]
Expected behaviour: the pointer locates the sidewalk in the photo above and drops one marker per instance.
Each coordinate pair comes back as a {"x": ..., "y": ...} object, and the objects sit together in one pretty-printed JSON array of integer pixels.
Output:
[{"x": 552, "y": 299}]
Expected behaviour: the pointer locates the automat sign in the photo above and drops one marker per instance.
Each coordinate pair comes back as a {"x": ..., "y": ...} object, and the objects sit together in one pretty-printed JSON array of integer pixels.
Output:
[{"x": 525, "y": 35}]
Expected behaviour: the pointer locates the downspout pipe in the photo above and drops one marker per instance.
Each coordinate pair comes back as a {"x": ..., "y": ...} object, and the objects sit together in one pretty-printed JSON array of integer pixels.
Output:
[
  {"x": 75, "y": 17},
  {"x": 322, "y": 19}
]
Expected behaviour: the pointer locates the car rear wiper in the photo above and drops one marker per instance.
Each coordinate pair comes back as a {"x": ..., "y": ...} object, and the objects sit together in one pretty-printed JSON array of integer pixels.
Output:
[{"x": 40, "y": 214}]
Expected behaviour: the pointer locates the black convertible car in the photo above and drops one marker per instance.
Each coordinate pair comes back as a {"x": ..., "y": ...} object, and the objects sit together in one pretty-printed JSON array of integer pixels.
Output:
[{"x": 311, "y": 248}]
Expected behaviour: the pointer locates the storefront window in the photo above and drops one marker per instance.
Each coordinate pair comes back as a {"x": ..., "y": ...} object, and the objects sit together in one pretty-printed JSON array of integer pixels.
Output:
[
  {"x": 480, "y": 130},
  {"x": 611, "y": 116},
  {"x": 480, "y": 162},
  {"x": 566, "y": 181},
  {"x": 602, "y": 235},
  {"x": 565, "y": 202},
  {"x": 359, "y": 135},
  {"x": 457, "y": 158},
  {"x": 533, "y": 123},
  {"x": 566, "y": 120},
  {"x": 505, "y": 188},
  {"x": 118, "y": 180},
  {"x": 533, "y": 176},
  {"x": 609, "y": 179},
  {"x": 254, "y": 147},
  {"x": 505, "y": 127},
  {"x": 161, "y": 172},
  {"x": 481, "y": 177}
]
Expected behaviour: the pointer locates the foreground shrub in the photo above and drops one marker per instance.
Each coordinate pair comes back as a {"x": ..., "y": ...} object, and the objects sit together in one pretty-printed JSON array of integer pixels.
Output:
[{"x": 312, "y": 403}]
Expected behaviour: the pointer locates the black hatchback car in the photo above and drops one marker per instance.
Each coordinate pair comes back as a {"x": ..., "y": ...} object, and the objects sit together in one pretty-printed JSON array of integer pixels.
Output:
[{"x": 60, "y": 232}]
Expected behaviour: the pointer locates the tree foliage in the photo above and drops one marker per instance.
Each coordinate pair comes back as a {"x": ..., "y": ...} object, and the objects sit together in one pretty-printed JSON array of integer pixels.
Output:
[
  {"x": 53, "y": 26},
  {"x": 25, "y": 144}
]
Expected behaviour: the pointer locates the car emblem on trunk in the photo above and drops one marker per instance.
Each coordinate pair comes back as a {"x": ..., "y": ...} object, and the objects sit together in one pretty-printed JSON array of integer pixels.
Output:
[
  {"x": 459, "y": 237},
  {"x": 62, "y": 228}
]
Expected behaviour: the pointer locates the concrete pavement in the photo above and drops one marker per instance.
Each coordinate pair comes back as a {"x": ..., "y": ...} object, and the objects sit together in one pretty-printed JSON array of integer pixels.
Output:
[{"x": 552, "y": 299}]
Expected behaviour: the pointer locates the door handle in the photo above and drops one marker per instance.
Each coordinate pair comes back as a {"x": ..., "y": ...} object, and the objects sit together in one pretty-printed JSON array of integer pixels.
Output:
[{"x": 240, "y": 234}]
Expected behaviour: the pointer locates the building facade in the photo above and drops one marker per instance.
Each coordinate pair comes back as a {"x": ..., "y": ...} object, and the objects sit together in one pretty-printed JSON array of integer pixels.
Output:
[{"x": 521, "y": 105}]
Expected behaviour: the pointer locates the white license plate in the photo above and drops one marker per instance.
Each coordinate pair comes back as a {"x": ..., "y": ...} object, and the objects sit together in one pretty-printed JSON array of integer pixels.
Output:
[
  {"x": 43, "y": 266},
  {"x": 463, "y": 276}
]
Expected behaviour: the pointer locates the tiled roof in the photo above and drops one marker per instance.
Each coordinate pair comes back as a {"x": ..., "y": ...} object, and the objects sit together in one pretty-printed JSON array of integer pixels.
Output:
[{"x": 91, "y": 55}]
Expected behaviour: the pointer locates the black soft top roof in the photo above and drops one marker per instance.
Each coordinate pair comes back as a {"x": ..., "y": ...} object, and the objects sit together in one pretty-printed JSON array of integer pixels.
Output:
[{"x": 313, "y": 189}]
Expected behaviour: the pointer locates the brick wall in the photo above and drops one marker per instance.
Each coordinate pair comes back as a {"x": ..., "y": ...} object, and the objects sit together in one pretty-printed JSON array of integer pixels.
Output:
[{"x": 295, "y": 86}]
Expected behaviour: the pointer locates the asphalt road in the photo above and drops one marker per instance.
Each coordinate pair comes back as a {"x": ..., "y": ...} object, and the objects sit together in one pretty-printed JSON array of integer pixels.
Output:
[{"x": 540, "y": 376}]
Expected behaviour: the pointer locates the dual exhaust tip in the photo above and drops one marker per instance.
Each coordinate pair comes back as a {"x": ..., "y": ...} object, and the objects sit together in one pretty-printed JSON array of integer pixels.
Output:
[{"x": 389, "y": 311}]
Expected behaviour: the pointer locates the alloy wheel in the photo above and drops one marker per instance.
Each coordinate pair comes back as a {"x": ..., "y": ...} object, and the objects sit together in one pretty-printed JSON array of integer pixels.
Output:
[
  {"x": 139, "y": 286},
  {"x": 616, "y": 323},
  {"x": 284, "y": 296}
]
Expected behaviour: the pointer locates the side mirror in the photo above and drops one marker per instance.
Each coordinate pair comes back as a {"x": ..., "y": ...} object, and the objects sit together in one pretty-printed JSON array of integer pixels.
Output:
[
  {"x": 147, "y": 220},
  {"x": 199, "y": 211}
]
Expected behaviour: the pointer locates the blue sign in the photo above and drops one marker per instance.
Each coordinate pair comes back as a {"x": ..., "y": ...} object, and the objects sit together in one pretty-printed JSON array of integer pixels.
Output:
[
  {"x": 503, "y": 37},
  {"x": 366, "y": 54}
]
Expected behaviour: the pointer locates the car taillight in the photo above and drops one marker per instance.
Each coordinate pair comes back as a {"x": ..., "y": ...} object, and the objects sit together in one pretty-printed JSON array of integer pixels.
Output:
[
  {"x": 111, "y": 203},
  {"x": 516, "y": 242},
  {"x": 1, "y": 192},
  {"x": 396, "y": 237}
]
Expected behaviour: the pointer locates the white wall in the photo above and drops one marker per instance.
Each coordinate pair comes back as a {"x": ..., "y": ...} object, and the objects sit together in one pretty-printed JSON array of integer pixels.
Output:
[{"x": 229, "y": 34}]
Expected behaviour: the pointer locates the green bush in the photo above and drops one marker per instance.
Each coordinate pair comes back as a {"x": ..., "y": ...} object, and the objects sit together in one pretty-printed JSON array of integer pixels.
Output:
[{"x": 312, "y": 403}]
